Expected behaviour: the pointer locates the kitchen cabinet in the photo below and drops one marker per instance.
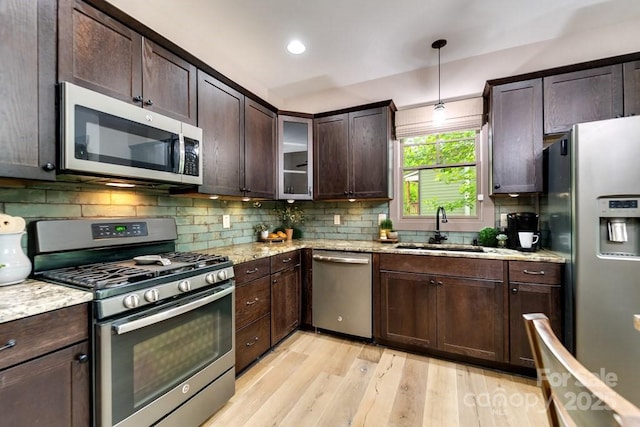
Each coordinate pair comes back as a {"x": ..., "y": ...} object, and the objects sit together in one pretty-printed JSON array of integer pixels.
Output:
[
  {"x": 253, "y": 311},
  {"x": 27, "y": 97},
  {"x": 306, "y": 297},
  {"x": 351, "y": 154},
  {"x": 45, "y": 375},
  {"x": 516, "y": 137},
  {"x": 100, "y": 53},
  {"x": 534, "y": 287},
  {"x": 453, "y": 305},
  {"x": 259, "y": 151},
  {"x": 582, "y": 96},
  {"x": 295, "y": 157},
  {"x": 285, "y": 295},
  {"x": 631, "y": 75}
]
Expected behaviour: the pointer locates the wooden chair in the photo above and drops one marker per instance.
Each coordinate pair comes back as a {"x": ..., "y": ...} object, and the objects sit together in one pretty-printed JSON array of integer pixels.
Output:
[{"x": 574, "y": 396}]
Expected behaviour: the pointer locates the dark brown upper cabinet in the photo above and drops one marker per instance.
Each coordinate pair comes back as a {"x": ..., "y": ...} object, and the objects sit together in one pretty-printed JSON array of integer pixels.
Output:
[
  {"x": 516, "y": 137},
  {"x": 582, "y": 96},
  {"x": 260, "y": 148},
  {"x": 351, "y": 154},
  {"x": 631, "y": 72},
  {"x": 100, "y": 53},
  {"x": 27, "y": 97}
]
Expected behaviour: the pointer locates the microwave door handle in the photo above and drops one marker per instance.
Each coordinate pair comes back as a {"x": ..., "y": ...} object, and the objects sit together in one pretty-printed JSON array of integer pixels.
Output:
[
  {"x": 182, "y": 154},
  {"x": 168, "y": 314}
]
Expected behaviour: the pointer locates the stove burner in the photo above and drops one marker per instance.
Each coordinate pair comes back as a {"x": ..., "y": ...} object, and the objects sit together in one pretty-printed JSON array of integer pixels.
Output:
[{"x": 117, "y": 274}]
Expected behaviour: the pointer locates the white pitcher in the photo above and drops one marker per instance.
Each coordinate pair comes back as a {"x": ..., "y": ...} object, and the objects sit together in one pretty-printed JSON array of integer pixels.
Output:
[{"x": 14, "y": 264}]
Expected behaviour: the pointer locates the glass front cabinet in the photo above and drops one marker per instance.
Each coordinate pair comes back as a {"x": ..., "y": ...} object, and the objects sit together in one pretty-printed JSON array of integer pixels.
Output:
[{"x": 295, "y": 171}]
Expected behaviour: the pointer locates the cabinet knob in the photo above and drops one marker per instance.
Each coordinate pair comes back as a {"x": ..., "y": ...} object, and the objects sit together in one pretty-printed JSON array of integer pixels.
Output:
[
  {"x": 440, "y": 283},
  {"x": 137, "y": 98},
  {"x": 82, "y": 358},
  {"x": 275, "y": 281},
  {"x": 432, "y": 282},
  {"x": 149, "y": 102},
  {"x": 514, "y": 290},
  {"x": 346, "y": 193},
  {"x": 49, "y": 167},
  {"x": 496, "y": 186}
]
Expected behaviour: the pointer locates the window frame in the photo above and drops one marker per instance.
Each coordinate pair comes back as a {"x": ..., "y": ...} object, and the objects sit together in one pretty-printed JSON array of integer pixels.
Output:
[{"x": 485, "y": 210}]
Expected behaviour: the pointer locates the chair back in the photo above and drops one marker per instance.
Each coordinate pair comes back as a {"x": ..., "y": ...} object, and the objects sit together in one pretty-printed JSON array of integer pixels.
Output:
[{"x": 574, "y": 396}]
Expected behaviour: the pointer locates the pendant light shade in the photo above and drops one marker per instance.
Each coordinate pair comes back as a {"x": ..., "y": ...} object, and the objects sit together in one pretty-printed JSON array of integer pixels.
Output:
[{"x": 439, "y": 112}]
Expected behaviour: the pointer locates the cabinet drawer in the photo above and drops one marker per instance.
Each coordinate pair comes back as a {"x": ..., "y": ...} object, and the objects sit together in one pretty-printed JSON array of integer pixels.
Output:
[
  {"x": 253, "y": 300},
  {"x": 489, "y": 269},
  {"x": 535, "y": 272},
  {"x": 252, "y": 341},
  {"x": 37, "y": 335},
  {"x": 285, "y": 260},
  {"x": 251, "y": 270}
]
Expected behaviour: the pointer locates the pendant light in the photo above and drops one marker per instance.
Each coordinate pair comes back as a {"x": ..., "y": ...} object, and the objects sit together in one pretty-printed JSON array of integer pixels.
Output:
[{"x": 439, "y": 113}]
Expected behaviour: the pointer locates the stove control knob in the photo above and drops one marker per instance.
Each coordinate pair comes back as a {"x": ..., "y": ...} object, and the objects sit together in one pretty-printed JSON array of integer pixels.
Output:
[
  {"x": 152, "y": 295},
  {"x": 222, "y": 275},
  {"x": 131, "y": 301},
  {"x": 184, "y": 286},
  {"x": 210, "y": 278}
]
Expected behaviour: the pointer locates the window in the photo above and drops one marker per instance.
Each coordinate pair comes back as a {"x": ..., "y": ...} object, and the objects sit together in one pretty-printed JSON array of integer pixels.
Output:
[
  {"x": 443, "y": 165},
  {"x": 440, "y": 170}
]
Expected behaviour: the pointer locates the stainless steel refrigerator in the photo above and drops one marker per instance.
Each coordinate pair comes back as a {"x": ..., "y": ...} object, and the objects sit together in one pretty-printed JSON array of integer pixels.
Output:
[{"x": 590, "y": 213}]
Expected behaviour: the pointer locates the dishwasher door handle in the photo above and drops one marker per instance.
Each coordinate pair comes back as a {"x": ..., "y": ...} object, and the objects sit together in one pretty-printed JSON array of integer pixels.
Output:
[{"x": 342, "y": 260}]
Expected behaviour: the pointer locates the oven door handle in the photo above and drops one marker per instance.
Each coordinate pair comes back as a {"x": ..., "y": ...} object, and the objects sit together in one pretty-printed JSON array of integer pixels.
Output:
[{"x": 168, "y": 314}]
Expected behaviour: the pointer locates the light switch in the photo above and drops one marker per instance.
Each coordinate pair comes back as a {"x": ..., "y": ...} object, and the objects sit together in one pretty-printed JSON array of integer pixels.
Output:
[
  {"x": 226, "y": 221},
  {"x": 381, "y": 217},
  {"x": 336, "y": 219},
  {"x": 503, "y": 220}
]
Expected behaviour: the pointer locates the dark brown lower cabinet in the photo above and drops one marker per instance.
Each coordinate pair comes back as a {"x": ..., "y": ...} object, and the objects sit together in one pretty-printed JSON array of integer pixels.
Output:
[{"x": 285, "y": 302}]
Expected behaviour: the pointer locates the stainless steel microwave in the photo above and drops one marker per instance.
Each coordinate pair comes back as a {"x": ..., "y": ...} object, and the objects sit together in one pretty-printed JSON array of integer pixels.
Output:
[{"x": 103, "y": 136}]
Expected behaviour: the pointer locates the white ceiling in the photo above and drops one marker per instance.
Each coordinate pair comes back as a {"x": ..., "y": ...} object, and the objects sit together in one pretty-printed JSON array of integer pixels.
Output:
[{"x": 381, "y": 44}]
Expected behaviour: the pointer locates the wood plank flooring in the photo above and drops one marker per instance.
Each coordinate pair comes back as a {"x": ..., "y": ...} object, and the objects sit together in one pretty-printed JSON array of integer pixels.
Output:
[{"x": 321, "y": 380}]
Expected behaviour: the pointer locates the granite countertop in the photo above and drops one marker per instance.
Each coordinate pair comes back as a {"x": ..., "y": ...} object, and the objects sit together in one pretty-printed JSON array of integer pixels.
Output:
[
  {"x": 251, "y": 251},
  {"x": 33, "y": 297}
]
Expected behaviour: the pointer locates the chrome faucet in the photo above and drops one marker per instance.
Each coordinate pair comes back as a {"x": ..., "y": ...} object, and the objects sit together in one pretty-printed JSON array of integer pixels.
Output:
[{"x": 439, "y": 238}]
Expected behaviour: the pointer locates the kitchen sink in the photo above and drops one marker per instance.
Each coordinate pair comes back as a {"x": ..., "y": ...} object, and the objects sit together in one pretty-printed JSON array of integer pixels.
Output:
[{"x": 439, "y": 247}]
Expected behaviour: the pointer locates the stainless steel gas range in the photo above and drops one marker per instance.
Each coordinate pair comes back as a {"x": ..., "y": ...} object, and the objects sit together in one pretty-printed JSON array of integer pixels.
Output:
[{"x": 163, "y": 323}]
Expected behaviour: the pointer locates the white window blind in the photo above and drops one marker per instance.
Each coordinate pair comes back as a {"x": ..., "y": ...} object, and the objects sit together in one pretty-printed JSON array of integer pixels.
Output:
[{"x": 460, "y": 115}]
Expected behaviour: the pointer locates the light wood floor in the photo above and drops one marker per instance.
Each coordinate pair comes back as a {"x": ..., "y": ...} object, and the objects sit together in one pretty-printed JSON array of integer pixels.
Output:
[{"x": 320, "y": 380}]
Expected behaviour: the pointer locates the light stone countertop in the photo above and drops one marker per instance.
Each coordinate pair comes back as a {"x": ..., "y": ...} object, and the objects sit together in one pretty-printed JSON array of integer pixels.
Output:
[
  {"x": 33, "y": 297},
  {"x": 251, "y": 251}
]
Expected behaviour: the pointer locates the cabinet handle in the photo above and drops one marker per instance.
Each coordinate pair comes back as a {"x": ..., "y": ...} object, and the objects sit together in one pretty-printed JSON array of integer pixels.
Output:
[
  {"x": 9, "y": 344},
  {"x": 497, "y": 186},
  {"x": 149, "y": 102},
  {"x": 440, "y": 283},
  {"x": 253, "y": 302},
  {"x": 255, "y": 270},
  {"x": 82, "y": 358},
  {"x": 514, "y": 290},
  {"x": 346, "y": 193},
  {"x": 250, "y": 343},
  {"x": 534, "y": 273},
  {"x": 275, "y": 281},
  {"x": 432, "y": 282},
  {"x": 138, "y": 98},
  {"x": 49, "y": 167},
  {"x": 286, "y": 260}
]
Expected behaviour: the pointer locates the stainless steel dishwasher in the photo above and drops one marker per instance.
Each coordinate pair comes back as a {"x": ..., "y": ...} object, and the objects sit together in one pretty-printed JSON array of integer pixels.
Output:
[{"x": 342, "y": 292}]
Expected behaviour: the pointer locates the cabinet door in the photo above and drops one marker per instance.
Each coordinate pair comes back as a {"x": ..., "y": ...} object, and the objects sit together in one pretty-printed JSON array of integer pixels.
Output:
[
  {"x": 295, "y": 159},
  {"x": 331, "y": 157},
  {"x": 49, "y": 390},
  {"x": 369, "y": 153},
  {"x": 632, "y": 88},
  {"x": 516, "y": 137},
  {"x": 252, "y": 341},
  {"x": 259, "y": 150},
  {"x": 582, "y": 96},
  {"x": 168, "y": 83},
  {"x": 407, "y": 309},
  {"x": 97, "y": 52},
  {"x": 470, "y": 317},
  {"x": 221, "y": 117},
  {"x": 530, "y": 298},
  {"x": 285, "y": 303},
  {"x": 27, "y": 95}
]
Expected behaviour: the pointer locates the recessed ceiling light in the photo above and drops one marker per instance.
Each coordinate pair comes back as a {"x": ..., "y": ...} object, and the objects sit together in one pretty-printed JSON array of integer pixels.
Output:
[{"x": 296, "y": 47}]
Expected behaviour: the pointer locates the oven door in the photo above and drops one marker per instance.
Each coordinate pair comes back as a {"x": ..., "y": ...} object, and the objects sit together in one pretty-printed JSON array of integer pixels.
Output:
[{"x": 150, "y": 363}]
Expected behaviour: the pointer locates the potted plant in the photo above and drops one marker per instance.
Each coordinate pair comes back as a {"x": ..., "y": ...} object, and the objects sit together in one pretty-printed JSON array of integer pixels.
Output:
[
  {"x": 487, "y": 237},
  {"x": 386, "y": 226},
  {"x": 289, "y": 216},
  {"x": 262, "y": 229}
]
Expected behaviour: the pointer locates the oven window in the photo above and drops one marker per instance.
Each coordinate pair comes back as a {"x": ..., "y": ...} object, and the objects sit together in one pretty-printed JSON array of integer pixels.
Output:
[
  {"x": 103, "y": 138},
  {"x": 148, "y": 362}
]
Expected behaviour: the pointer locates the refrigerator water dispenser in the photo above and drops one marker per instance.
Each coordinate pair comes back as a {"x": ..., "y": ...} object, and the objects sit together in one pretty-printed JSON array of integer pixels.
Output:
[{"x": 619, "y": 226}]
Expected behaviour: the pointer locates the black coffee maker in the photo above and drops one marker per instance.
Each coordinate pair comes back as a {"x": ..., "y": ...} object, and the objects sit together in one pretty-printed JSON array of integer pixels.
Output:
[{"x": 522, "y": 222}]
